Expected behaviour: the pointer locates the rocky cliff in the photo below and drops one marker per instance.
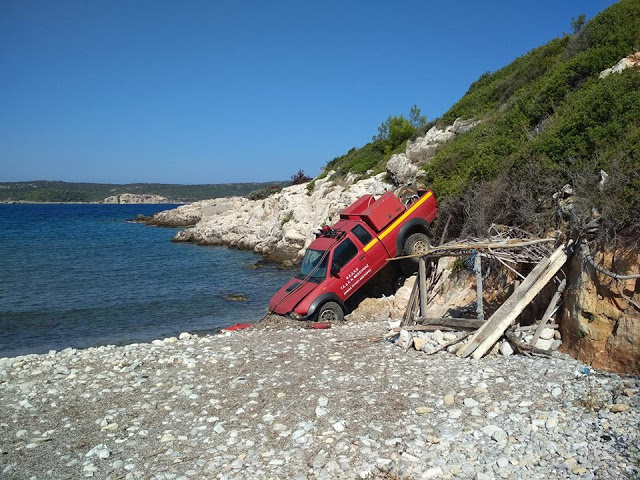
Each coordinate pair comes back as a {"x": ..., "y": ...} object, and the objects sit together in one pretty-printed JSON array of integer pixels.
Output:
[
  {"x": 125, "y": 198},
  {"x": 282, "y": 225},
  {"x": 600, "y": 318}
]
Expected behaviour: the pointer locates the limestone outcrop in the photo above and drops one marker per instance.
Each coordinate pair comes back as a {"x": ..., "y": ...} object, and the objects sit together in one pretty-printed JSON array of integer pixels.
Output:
[
  {"x": 424, "y": 148},
  {"x": 127, "y": 198},
  {"x": 404, "y": 168},
  {"x": 280, "y": 226},
  {"x": 632, "y": 61}
]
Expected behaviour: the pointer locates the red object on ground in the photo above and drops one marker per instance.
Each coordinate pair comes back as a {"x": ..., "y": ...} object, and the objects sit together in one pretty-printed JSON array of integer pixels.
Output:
[
  {"x": 320, "y": 326},
  {"x": 238, "y": 326}
]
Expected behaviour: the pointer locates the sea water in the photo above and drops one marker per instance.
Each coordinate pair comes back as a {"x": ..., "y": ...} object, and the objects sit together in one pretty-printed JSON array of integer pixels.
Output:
[{"x": 82, "y": 275}]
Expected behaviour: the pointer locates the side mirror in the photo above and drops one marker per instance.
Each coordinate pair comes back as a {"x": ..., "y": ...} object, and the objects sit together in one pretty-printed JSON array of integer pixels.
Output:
[{"x": 335, "y": 270}]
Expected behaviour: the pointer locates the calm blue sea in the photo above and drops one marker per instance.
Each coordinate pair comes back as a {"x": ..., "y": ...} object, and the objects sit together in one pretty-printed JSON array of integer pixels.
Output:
[{"x": 81, "y": 275}]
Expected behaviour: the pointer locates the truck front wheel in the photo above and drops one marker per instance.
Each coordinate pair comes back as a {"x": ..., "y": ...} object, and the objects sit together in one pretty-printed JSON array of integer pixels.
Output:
[
  {"x": 416, "y": 244},
  {"x": 330, "y": 312}
]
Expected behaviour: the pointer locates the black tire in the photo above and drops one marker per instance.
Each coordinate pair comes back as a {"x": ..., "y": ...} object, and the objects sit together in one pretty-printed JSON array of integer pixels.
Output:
[
  {"x": 415, "y": 244},
  {"x": 330, "y": 312}
]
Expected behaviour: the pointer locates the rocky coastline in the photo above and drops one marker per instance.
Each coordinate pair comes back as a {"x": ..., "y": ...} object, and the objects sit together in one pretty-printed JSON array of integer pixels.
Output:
[
  {"x": 281, "y": 226},
  {"x": 297, "y": 403}
]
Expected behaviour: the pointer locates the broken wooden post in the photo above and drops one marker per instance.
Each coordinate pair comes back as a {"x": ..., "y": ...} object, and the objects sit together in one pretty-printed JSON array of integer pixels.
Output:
[
  {"x": 477, "y": 268},
  {"x": 493, "y": 328},
  {"x": 422, "y": 278},
  {"x": 408, "y": 313},
  {"x": 549, "y": 311},
  {"x": 451, "y": 322}
]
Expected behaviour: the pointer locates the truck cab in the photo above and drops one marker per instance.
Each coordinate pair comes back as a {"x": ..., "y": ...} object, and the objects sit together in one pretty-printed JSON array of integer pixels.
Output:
[{"x": 346, "y": 255}]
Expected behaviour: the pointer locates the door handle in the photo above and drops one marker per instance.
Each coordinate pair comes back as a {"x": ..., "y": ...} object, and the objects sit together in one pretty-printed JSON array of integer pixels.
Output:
[{"x": 361, "y": 257}]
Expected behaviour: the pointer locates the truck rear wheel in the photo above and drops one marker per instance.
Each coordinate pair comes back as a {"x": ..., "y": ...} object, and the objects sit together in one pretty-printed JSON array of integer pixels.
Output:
[
  {"x": 330, "y": 312},
  {"x": 416, "y": 244}
]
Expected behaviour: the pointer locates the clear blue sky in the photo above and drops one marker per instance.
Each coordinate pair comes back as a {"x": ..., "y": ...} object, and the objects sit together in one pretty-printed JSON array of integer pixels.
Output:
[{"x": 226, "y": 91}]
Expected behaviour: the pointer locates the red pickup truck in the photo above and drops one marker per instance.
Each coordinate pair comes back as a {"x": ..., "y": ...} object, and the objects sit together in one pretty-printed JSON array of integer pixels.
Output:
[{"x": 345, "y": 256}]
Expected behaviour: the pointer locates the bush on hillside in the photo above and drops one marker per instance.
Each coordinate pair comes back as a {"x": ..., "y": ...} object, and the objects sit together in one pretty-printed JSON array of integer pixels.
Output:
[
  {"x": 299, "y": 177},
  {"x": 549, "y": 112}
]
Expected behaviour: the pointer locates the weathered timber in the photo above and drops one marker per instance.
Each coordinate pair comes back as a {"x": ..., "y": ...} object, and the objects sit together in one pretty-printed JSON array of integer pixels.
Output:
[
  {"x": 493, "y": 328},
  {"x": 424, "y": 328},
  {"x": 478, "y": 246},
  {"x": 465, "y": 323},
  {"x": 549, "y": 311},
  {"x": 422, "y": 281},
  {"x": 448, "y": 344},
  {"x": 408, "y": 313},
  {"x": 477, "y": 268},
  {"x": 521, "y": 347},
  {"x": 533, "y": 327}
]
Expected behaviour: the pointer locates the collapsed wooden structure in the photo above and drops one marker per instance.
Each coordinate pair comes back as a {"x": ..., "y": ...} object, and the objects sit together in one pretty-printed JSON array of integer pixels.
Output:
[{"x": 509, "y": 247}]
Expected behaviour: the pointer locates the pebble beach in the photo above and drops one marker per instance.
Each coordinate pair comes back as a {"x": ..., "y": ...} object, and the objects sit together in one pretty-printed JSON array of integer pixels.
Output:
[{"x": 295, "y": 403}]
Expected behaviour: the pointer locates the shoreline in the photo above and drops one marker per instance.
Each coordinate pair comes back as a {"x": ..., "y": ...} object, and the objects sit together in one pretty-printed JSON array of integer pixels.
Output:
[
  {"x": 297, "y": 403},
  {"x": 25, "y": 202}
]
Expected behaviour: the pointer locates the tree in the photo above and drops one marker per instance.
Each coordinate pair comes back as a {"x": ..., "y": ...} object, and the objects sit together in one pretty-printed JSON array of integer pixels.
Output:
[
  {"x": 577, "y": 23},
  {"x": 415, "y": 118}
]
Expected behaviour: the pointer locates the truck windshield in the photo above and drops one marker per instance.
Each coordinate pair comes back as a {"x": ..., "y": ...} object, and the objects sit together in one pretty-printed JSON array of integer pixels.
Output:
[{"x": 309, "y": 262}]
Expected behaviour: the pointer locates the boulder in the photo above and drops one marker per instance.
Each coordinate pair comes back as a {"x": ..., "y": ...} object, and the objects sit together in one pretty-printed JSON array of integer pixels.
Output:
[{"x": 401, "y": 170}]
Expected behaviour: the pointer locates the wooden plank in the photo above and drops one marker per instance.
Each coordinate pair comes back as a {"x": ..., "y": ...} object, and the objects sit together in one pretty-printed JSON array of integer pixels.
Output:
[
  {"x": 422, "y": 279},
  {"x": 493, "y": 328},
  {"x": 521, "y": 347},
  {"x": 465, "y": 323},
  {"x": 512, "y": 309},
  {"x": 448, "y": 344},
  {"x": 479, "y": 246},
  {"x": 549, "y": 311},
  {"x": 533, "y": 327},
  {"x": 423, "y": 328},
  {"x": 477, "y": 268},
  {"x": 408, "y": 313}
]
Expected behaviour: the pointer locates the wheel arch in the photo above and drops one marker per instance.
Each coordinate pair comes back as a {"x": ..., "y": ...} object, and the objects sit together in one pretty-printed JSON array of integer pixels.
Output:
[
  {"x": 415, "y": 225},
  {"x": 321, "y": 300}
]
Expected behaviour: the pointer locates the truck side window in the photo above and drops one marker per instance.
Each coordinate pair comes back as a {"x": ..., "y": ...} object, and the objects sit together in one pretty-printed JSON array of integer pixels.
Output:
[
  {"x": 343, "y": 254},
  {"x": 361, "y": 234}
]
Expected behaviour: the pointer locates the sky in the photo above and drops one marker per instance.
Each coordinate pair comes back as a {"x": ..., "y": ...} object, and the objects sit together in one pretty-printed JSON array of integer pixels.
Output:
[{"x": 217, "y": 91}]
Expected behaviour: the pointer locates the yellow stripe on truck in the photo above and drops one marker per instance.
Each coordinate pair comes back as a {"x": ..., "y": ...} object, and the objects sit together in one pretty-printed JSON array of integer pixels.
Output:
[{"x": 398, "y": 221}]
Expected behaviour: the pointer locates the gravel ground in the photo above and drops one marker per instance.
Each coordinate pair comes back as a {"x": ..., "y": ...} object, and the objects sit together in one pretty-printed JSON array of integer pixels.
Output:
[{"x": 297, "y": 403}]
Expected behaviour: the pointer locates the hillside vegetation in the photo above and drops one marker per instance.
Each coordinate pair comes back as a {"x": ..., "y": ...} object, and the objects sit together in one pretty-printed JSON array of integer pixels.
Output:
[
  {"x": 53, "y": 191},
  {"x": 546, "y": 120}
]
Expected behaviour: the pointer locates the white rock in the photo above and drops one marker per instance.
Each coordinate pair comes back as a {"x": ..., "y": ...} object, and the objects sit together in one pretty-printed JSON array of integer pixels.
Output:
[
  {"x": 547, "y": 333},
  {"x": 401, "y": 170},
  {"x": 340, "y": 426},
  {"x": 405, "y": 339},
  {"x": 101, "y": 451},
  {"x": 506, "y": 349},
  {"x": 544, "y": 344},
  {"x": 433, "y": 472},
  {"x": 470, "y": 403}
]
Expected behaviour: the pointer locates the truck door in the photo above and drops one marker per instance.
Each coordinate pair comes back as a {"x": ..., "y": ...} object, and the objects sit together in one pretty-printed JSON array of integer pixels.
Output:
[
  {"x": 350, "y": 269},
  {"x": 374, "y": 250}
]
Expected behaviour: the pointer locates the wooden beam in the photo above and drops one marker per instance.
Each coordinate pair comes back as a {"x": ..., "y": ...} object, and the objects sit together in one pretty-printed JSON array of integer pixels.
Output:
[
  {"x": 493, "y": 328},
  {"x": 421, "y": 328},
  {"x": 408, "y": 313},
  {"x": 465, "y": 323},
  {"x": 422, "y": 279},
  {"x": 549, "y": 311},
  {"x": 477, "y": 268},
  {"x": 448, "y": 344},
  {"x": 480, "y": 246}
]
